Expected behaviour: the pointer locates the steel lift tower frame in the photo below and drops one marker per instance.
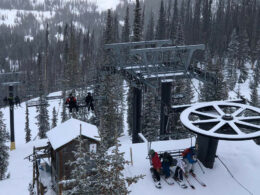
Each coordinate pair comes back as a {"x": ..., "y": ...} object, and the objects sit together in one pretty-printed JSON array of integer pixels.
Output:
[
  {"x": 152, "y": 64},
  {"x": 11, "y": 79}
]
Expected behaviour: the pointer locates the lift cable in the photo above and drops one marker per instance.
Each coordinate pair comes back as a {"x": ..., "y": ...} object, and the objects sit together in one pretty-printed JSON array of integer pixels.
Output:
[{"x": 233, "y": 176}]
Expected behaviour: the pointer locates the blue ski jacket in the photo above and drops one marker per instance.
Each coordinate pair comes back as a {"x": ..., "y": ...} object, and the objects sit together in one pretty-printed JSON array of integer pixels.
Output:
[{"x": 190, "y": 159}]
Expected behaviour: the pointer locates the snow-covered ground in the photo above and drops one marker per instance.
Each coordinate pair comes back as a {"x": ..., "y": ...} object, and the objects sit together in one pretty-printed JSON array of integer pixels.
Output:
[
  {"x": 241, "y": 157},
  {"x": 12, "y": 17}
]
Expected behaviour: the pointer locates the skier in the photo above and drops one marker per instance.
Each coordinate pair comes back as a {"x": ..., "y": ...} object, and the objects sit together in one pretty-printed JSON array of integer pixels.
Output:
[
  {"x": 11, "y": 100},
  {"x": 89, "y": 102},
  {"x": 17, "y": 101},
  {"x": 72, "y": 101},
  {"x": 180, "y": 169},
  {"x": 178, "y": 174},
  {"x": 5, "y": 100},
  {"x": 166, "y": 163},
  {"x": 156, "y": 167},
  {"x": 188, "y": 156}
]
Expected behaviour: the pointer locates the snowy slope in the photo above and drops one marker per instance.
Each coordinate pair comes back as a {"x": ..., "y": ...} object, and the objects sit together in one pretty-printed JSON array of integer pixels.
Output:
[
  {"x": 106, "y": 4},
  {"x": 102, "y": 5},
  {"x": 13, "y": 17},
  {"x": 242, "y": 158}
]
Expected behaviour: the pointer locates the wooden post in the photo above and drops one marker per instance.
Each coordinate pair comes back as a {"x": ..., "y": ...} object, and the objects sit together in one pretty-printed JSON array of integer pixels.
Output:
[
  {"x": 33, "y": 166},
  {"x": 80, "y": 130},
  {"x": 37, "y": 176},
  {"x": 60, "y": 171},
  {"x": 131, "y": 156}
]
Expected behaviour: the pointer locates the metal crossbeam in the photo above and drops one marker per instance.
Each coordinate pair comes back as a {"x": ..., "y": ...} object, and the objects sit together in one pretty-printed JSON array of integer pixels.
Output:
[
  {"x": 36, "y": 103},
  {"x": 202, "y": 75},
  {"x": 10, "y": 83},
  {"x": 165, "y": 49},
  {"x": 157, "y": 43},
  {"x": 143, "y": 62},
  {"x": 167, "y": 55},
  {"x": 12, "y": 73},
  {"x": 54, "y": 97}
]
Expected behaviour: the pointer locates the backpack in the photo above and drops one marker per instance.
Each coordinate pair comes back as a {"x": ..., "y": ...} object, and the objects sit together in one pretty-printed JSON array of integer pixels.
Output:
[{"x": 185, "y": 152}]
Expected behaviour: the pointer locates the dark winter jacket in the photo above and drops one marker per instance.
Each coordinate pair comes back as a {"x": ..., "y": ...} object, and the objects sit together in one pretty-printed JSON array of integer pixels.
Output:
[
  {"x": 71, "y": 101},
  {"x": 156, "y": 161},
  {"x": 189, "y": 156},
  {"x": 89, "y": 99}
]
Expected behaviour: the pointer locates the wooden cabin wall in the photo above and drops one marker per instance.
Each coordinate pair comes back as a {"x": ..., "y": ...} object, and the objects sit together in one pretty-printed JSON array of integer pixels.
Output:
[{"x": 61, "y": 170}]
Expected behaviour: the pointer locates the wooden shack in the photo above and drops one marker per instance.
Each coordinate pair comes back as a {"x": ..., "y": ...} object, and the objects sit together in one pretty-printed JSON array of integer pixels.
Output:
[{"x": 63, "y": 142}]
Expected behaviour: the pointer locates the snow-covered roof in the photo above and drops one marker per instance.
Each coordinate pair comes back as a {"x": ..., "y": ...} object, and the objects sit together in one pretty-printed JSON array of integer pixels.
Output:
[{"x": 69, "y": 130}]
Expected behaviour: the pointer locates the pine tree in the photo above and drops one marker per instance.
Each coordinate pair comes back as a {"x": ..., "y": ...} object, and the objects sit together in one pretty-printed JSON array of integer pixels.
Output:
[
  {"x": 219, "y": 36},
  {"x": 130, "y": 109},
  {"x": 110, "y": 89},
  {"x": 254, "y": 93},
  {"x": 64, "y": 116},
  {"x": 257, "y": 50},
  {"x": 168, "y": 19},
  {"x": 179, "y": 38},
  {"x": 196, "y": 22},
  {"x": 254, "y": 86},
  {"x": 79, "y": 168},
  {"x": 161, "y": 24},
  {"x": 99, "y": 172},
  {"x": 27, "y": 126},
  {"x": 149, "y": 35},
  {"x": 218, "y": 90},
  {"x": 206, "y": 20},
  {"x": 43, "y": 115},
  {"x": 137, "y": 28},
  {"x": 71, "y": 60},
  {"x": 151, "y": 115},
  {"x": 143, "y": 21},
  {"x": 174, "y": 20},
  {"x": 54, "y": 118},
  {"x": 188, "y": 23},
  {"x": 126, "y": 29},
  {"x": 115, "y": 29},
  {"x": 231, "y": 66},
  {"x": 42, "y": 118},
  {"x": 4, "y": 155},
  {"x": 243, "y": 55}
]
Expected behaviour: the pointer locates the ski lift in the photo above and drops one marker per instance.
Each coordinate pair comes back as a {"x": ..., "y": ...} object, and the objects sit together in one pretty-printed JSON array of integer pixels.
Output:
[{"x": 178, "y": 96}]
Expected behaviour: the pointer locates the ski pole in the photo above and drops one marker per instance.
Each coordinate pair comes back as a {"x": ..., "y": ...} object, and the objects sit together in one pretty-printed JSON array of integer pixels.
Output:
[{"x": 201, "y": 167}]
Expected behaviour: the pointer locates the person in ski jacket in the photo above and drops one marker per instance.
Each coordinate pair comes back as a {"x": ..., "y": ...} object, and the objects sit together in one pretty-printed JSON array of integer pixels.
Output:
[
  {"x": 89, "y": 102},
  {"x": 188, "y": 156},
  {"x": 72, "y": 101},
  {"x": 180, "y": 169},
  {"x": 17, "y": 101},
  {"x": 11, "y": 100},
  {"x": 166, "y": 163},
  {"x": 156, "y": 162},
  {"x": 5, "y": 100}
]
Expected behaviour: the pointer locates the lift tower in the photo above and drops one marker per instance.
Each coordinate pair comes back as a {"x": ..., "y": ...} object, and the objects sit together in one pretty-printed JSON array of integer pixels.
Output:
[{"x": 153, "y": 64}]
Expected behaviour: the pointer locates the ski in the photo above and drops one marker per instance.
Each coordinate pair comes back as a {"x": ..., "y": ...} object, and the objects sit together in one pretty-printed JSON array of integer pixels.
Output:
[
  {"x": 198, "y": 179},
  {"x": 169, "y": 180},
  {"x": 189, "y": 183},
  {"x": 181, "y": 184},
  {"x": 157, "y": 184}
]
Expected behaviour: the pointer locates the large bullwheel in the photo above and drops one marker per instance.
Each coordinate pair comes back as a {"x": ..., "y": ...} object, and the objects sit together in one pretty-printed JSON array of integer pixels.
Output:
[{"x": 223, "y": 120}]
